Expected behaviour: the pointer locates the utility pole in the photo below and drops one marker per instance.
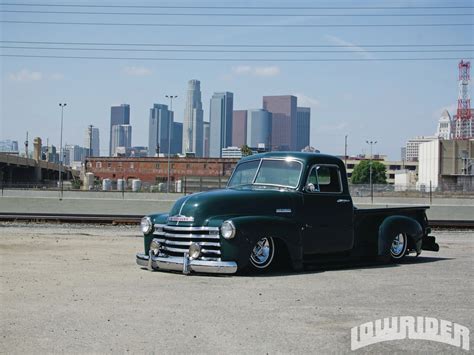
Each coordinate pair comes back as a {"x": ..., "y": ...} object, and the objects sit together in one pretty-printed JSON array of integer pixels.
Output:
[
  {"x": 345, "y": 150},
  {"x": 26, "y": 145},
  {"x": 371, "y": 143},
  {"x": 62, "y": 105},
  {"x": 170, "y": 112}
]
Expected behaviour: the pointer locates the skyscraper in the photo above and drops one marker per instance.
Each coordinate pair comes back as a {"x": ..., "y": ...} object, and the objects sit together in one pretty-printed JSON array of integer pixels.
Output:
[
  {"x": 193, "y": 118},
  {"x": 284, "y": 122},
  {"x": 220, "y": 119},
  {"x": 121, "y": 139},
  {"x": 259, "y": 129},
  {"x": 91, "y": 141},
  {"x": 303, "y": 119},
  {"x": 177, "y": 138},
  {"x": 160, "y": 129},
  {"x": 206, "y": 138},
  {"x": 119, "y": 115},
  {"x": 239, "y": 128}
]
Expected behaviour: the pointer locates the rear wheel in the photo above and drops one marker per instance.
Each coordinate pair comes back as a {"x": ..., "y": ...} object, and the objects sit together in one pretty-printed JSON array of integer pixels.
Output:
[
  {"x": 263, "y": 254},
  {"x": 399, "y": 246}
]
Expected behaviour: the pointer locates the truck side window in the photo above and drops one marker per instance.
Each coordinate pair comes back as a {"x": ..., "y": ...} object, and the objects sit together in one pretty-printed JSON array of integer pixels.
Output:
[{"x": 325, "y": 178}]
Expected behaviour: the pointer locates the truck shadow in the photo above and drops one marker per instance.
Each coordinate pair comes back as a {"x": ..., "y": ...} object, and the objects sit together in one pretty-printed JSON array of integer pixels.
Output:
[{"x": 351, "y": 265}]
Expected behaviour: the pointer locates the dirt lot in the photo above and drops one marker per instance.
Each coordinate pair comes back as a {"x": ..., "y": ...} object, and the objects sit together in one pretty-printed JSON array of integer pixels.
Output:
[{"x": 77, "y": 289}]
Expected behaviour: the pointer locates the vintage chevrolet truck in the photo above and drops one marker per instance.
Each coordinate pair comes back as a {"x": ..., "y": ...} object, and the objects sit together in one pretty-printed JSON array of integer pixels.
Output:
[{"x": 279, "y": 205}]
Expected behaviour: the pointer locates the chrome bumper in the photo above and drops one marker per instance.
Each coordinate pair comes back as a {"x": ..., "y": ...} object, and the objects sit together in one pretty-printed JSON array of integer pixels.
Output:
[{"x": 185, "y": 264}]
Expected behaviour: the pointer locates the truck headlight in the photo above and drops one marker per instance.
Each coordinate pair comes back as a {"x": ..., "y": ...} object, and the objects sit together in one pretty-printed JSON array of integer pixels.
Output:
[
  {"x": 228, "y": 230},
  {"x": 146, "y": 225}
]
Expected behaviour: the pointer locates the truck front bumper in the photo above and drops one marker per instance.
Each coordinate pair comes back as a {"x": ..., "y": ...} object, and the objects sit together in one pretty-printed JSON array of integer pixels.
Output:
[{"x": 185, "y": 264}]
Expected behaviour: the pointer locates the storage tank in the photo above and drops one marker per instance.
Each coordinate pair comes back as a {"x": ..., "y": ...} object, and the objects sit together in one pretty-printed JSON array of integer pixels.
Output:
[
  {"x": 89, "y": 181},
  {"x": 120, "y": 184},
  {"x": 136, "y": 185},
  {"x": 178, "y": 185},
  {"x": 106, "y": 185}
]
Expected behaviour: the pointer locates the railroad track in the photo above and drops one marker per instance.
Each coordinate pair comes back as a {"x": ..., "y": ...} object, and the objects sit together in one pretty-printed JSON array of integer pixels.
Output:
[{"x": 135, "y": 219}]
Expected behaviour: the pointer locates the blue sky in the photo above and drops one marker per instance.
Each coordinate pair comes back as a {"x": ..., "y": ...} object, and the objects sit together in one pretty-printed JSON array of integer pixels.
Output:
[{"x": 387, "y": 101}]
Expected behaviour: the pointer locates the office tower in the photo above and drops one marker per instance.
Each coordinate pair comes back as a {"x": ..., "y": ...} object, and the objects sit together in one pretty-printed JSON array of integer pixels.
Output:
[
  {"x": 160, "y": 130},
  {"x": 91, "y": 141},
  {"x": 445, "y": 126},
  {"x": 239, "y": 128},
  {"x": 283, "y": 110},
  {"x": 303, "y": 119},
  {"x": 8, "y": 145},
  {"x": 119, "y": 115},
  {"x": 177, "y": 138},
  {"x": 193, "y": 118},
  {"x": 121, "y": 139},
  {"x": 220, "y": 119},
  {"x": 259, "y": 129},
  {"x": 206, "y": 138}
]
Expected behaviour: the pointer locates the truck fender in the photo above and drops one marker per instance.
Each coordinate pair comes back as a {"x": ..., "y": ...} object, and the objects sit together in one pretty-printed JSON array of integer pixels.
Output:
[
  {"x": 393, "y": 225},
  {"x": 251, "y": 228}
]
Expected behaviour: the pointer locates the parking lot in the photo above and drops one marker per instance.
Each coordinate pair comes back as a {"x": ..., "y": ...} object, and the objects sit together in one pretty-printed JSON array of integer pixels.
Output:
[{"x": 77, "y": 289}]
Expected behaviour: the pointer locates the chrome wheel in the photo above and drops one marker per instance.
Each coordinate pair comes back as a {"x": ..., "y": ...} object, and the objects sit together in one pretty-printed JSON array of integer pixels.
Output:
[
  {"x": 399, "y": 246},
  {"x": 263, "y": 252}
]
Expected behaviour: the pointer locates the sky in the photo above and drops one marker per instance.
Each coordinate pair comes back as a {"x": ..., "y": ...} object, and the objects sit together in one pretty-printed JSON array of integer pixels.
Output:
[{"x": 380, "y": 100}]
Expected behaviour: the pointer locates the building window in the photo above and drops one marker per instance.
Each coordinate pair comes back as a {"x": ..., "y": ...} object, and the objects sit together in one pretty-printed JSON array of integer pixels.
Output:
[
  {"x": 157, "y": 165},
  {"x": 188, "y": 166},
  {"x": 132, "y": 166},
  {"x": 109, "y": 165},
  {"x": 119, "y": 164},
  {"x": 98, "y": 164}
]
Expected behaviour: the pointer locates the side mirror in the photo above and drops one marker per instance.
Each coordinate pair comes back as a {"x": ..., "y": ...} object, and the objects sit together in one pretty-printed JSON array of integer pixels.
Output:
[{"x": 310, "y": 187}]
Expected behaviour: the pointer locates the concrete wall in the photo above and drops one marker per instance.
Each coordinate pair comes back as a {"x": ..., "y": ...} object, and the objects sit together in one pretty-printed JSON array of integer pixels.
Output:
[{"x": 144, "y": 203}]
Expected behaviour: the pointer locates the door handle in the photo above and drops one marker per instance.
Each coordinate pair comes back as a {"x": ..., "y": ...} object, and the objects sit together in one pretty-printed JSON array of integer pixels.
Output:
[{"x": 341, "y": 200}]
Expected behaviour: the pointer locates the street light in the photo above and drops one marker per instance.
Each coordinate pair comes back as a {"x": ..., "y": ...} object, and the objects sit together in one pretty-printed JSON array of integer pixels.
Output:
[
  {"x": 62, "y": 105},
  {"x": 171, "y": 97},
  {"x": 371, "y": 143}
]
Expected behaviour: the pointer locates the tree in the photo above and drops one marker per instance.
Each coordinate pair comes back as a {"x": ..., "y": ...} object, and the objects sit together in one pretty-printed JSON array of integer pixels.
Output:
[
  {"x": 361, "y": 173},
  {"x": 246, "y": 151}
]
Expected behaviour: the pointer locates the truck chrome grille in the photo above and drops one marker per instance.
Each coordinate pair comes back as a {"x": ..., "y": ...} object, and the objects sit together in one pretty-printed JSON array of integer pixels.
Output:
[{"x": 175, "y": 240}]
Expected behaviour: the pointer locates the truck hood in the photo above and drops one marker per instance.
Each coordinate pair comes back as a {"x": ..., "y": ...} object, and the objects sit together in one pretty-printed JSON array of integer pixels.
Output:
[{"x": 235, "y": 202}]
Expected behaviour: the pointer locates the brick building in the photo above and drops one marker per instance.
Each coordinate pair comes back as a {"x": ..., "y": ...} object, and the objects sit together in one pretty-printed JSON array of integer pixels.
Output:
[{"x": 155, "y": 169}]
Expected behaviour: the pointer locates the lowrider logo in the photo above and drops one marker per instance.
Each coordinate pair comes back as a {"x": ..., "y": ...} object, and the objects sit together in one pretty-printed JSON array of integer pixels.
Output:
[{"x": 180, "y": 218}]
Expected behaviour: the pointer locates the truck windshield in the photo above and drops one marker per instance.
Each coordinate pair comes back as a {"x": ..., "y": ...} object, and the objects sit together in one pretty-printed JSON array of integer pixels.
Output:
[{"x": 273, "y": 172}]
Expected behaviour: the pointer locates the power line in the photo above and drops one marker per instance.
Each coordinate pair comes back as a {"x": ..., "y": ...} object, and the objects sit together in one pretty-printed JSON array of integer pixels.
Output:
[
  {"x": 243, "y": 7},
  {"x": 243, "y": 45},
  {"x": 236, "y": 25},
  {"x": 227, "y": 14},
  {"x": 357, "y": 50},
  {"x": 235, "y": 59}
]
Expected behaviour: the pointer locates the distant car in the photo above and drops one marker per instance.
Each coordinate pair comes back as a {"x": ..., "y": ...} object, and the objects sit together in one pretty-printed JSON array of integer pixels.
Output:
[{"x": 275, "y": 205}]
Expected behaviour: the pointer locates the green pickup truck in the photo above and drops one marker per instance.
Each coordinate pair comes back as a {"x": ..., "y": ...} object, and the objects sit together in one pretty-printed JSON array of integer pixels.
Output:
[{"x": 279, "y": 206}]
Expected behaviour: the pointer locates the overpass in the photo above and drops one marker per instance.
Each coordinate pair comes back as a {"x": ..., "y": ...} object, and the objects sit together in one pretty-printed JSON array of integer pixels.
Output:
[{"x": 18, "y": 171}]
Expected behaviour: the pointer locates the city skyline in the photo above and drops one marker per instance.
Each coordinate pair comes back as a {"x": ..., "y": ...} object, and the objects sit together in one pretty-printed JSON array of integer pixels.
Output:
[{"x": 380, "y": 82}]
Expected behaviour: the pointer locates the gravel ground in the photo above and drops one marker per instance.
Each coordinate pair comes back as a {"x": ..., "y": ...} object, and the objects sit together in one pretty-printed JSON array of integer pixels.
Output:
[{"x": 77, "y": 289}]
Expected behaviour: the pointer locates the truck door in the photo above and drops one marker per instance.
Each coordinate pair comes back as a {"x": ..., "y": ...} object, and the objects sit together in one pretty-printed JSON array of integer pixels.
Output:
[{"x": 328, "y": 212}]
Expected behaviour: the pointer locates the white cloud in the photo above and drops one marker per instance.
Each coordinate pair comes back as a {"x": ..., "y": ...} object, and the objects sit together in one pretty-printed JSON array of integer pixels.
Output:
[
  {"x": 266, "y": 71},
  {"x": 137, "y": 71},
  {"x": 25, "y": 75},
  {"x": 306, "y": 101},
  {"x": 358, "y": 50},
  {"x": 56, "y": 76},
  {"x": 337, "y": 126}
]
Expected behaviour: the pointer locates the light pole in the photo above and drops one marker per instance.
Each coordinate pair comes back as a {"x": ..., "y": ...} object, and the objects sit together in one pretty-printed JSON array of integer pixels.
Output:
[
  {"x": 171, "y": 97},
  {"x": 371, "y": 143},
  {"x": 62, "y": 105}
]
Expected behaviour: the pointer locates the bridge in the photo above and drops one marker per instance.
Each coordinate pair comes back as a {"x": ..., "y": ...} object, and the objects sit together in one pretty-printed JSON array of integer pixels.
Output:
[{"x": 18, "y": 171}]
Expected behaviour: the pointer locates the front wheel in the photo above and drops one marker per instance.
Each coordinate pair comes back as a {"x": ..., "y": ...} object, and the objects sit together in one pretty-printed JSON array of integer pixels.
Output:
[
  {"x": 399, "y": 246},
  {"x": 262, "y": 255}
]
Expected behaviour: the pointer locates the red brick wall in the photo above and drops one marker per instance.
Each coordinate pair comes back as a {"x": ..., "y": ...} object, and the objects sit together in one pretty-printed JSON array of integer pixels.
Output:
[{"x": 149, "y": 169}]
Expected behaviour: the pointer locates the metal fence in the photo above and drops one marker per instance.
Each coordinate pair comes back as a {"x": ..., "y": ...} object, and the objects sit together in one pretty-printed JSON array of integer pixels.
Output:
[{"x": 192, "y": 184}]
